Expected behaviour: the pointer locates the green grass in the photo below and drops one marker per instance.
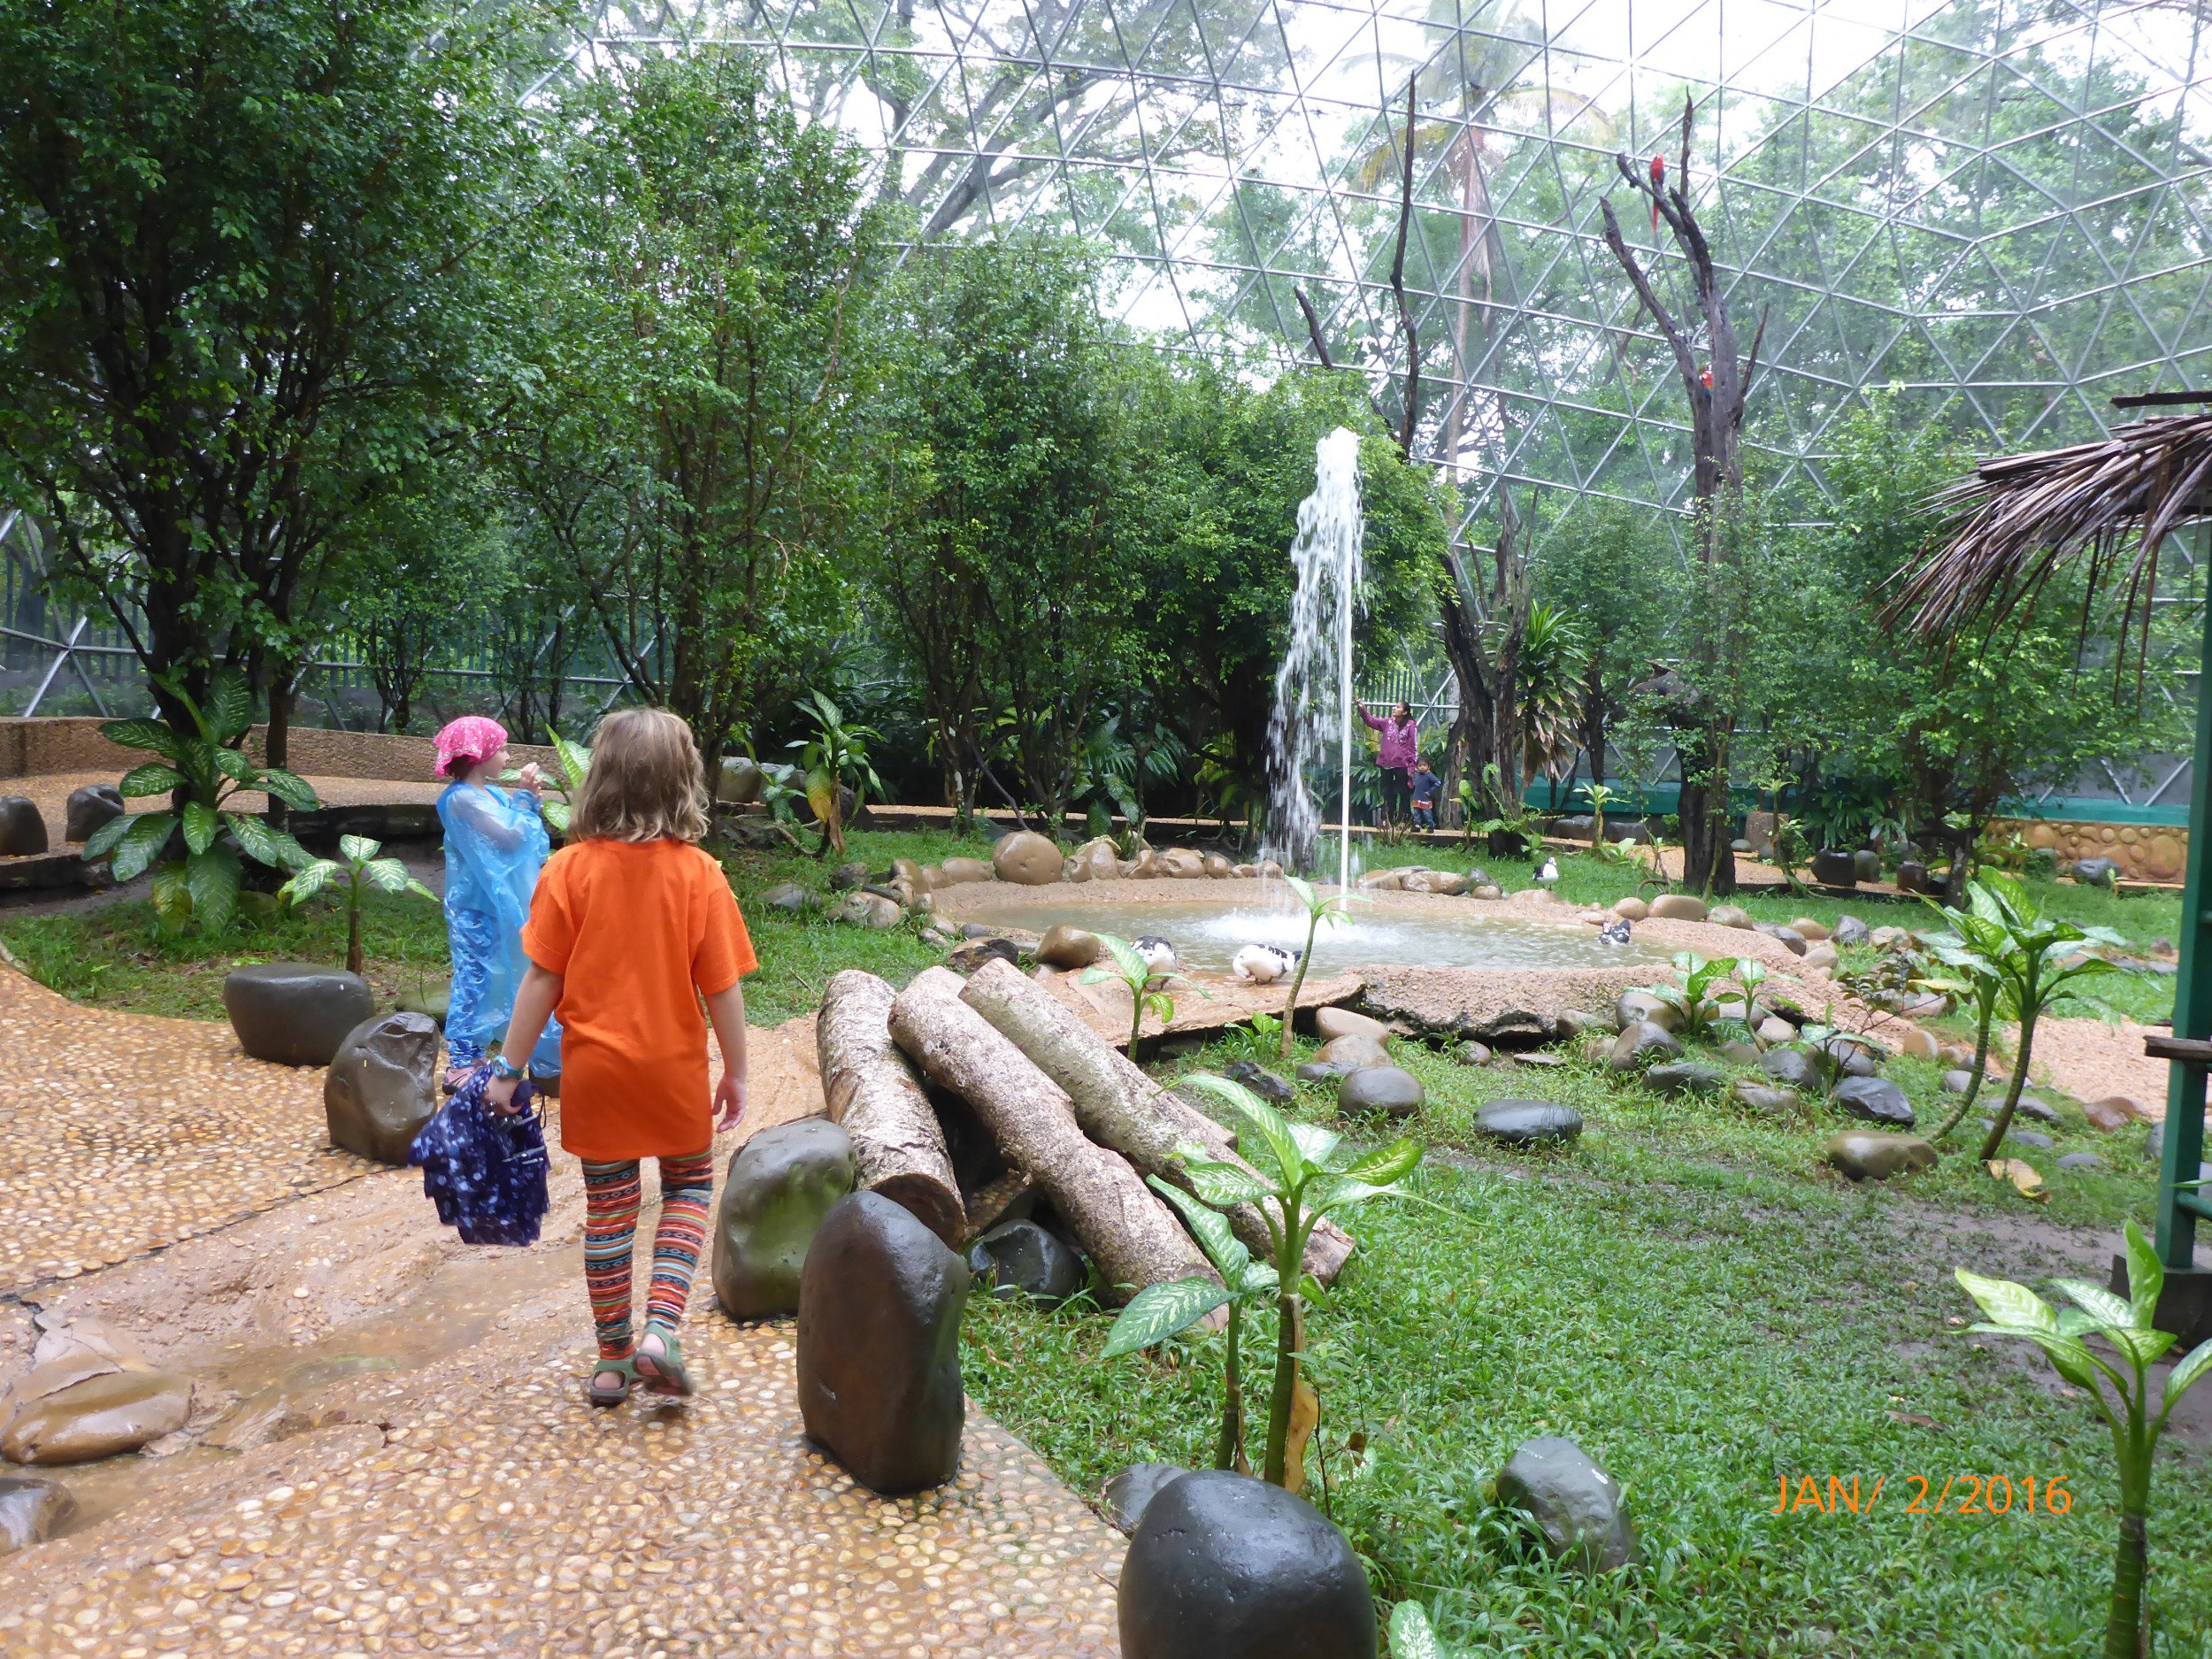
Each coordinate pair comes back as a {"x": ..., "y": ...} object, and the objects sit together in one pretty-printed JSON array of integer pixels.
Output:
[{"x": 1688, "y": 1297}]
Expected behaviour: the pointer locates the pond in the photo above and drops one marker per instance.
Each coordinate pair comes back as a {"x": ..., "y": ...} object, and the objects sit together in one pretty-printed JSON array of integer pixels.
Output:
[{"x": 1207, "y": 933}]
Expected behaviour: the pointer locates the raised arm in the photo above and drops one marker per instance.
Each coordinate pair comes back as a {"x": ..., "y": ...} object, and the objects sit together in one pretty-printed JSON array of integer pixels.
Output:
[{"x": 1375, "y": 722}]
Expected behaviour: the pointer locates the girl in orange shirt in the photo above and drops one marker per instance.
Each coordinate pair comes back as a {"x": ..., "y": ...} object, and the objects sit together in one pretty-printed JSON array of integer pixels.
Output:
[{"x": 631, "y": 926}]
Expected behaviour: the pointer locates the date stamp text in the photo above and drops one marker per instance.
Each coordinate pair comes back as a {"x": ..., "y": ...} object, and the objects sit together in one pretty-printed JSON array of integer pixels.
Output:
[{"x": 1925, "y": 1495}]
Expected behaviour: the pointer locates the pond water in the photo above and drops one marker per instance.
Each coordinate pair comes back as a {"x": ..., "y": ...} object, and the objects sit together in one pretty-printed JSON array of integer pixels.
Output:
[{"x": 1208, "y": 934}]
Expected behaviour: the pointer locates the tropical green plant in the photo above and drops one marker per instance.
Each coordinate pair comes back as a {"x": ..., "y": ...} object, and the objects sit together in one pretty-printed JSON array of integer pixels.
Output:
[
  {"x": 1321, "y": 910},
  {"x": 2039, "y": 960},
  {"x": 1971, "y": 948},
  {"x": 200, "y": 772},
  {"x": 1600, "y": 797},
  {"x": 575, "y": 761},
  {"x": 1160, "y": 1311},
  {"x": 1299, "y": 1173},
  {"x": 1411, "y": 1636},
  {"x": 1505, "y": 810},
  {"x": 1145, "y": 995},
  {"x": 1692, "y": 995},
  {"x": 836, "y": 755},
  {"x": 2124, "y": 1323},
  {"x": 1257, "y": 1040},
  {"x": 357, "y": 870}
]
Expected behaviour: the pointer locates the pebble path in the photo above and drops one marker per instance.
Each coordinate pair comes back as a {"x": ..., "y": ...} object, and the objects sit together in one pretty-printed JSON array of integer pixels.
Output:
[
  {"x": 120, "y": 1133},
  {"x": 477, "y": 1506}
]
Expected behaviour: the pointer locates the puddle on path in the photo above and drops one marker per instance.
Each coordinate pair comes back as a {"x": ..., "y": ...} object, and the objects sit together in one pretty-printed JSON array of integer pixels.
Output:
[{"x": 287, "y": 1389}]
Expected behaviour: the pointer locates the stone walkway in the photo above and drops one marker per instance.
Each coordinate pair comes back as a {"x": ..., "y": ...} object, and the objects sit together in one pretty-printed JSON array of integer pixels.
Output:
[{"x": 396, "y": 1457}]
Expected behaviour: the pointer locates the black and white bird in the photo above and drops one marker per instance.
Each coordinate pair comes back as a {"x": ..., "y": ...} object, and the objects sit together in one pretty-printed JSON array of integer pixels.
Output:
[
  {"x": 1262, "y": 965},
  {"x": 1549, "y": 874},
  {"x": 1158, "y": 954},
  {"x": 1614, "y": 932}
]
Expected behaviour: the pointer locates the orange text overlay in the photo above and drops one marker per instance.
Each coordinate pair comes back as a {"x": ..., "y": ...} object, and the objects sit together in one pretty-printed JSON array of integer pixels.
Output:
[{"x": 1924, "y": 1494}]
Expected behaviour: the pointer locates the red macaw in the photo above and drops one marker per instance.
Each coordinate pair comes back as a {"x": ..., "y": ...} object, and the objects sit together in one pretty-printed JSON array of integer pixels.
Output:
[
  {"x": 1658, "y": 183},
  {"x": 1708, "y": 377}
]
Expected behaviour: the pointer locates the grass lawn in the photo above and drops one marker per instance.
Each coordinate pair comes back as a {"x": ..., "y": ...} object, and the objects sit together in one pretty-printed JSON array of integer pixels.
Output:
[{"x": 1687, "y": 1293}]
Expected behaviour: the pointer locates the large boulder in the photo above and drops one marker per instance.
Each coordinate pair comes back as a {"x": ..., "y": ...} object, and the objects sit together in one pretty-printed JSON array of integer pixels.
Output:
[
  {"x": 32, "y": 1510},
  {"x": 98, "y": 1418},
  {"x": 1866, "y": 863},
  {"x": 1019, "y": 1258},
  {"x": 958, "y": 872},
  {"x": 739, "y": 782},
  {"x": 383, "y": 1085},
  {"x": 1527, "y": 1123},
  {"x": 1848, "y": 930},
  {"x": 1223, "y": 1566},
  {"x": 22, "y": 831},
  {"x": 90, "y": 809},
  {"x": 2091, "y": 872},
  {"x": 1576, "y": 1505},
  {"x": 1026, "y": 859},
  {"x": 294, "y": 1013},
  {"x": 1387, "y": 1089},
  {"x": 1633, "y": 1008},
  {"x": 780, "y": 1185},
  {"x": 1182, "y": 864},
  {"x": 1678, "y": 907},
  {"x": 1642, "y": 1044},
  {"x": 1876, "y": 1157},
  {"x": 1793, "y": 1068},
  {"x": 1832, "y": 868},
  {"x": 1631, "y": 909},
  {"x": 1067, "y": 946},
  {"x": 1874, "y": 1099},
  {"x": 878, "y": 1369}
]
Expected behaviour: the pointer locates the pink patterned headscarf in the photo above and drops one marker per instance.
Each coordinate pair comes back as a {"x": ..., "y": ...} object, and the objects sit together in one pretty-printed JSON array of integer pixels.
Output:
[{"x": 468, "y": 742}]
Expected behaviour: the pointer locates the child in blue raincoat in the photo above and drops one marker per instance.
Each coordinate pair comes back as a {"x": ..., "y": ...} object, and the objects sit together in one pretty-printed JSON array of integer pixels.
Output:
[{"x": 495, "y": 845}]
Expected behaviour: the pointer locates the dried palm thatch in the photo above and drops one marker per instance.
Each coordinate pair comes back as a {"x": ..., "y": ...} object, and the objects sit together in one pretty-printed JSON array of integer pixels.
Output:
[{"x": 2113, "y": 502}]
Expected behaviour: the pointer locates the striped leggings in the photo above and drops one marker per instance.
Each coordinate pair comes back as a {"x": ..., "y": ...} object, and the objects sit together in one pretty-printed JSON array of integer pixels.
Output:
[{"x": 611, "y": 1195}]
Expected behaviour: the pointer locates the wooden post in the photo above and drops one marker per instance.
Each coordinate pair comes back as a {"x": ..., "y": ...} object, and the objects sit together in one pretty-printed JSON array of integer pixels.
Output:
[{"x": 2182, "y": 1149}]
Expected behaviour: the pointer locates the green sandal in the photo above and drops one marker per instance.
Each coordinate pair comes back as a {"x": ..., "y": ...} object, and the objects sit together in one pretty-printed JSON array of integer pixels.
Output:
[
  {"x": 624, "y": 1370},
  {"x": 662, "y": 1371}
]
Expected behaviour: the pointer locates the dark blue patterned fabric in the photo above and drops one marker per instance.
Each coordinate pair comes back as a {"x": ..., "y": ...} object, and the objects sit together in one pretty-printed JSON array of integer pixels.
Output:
[{"x": 485, "y": 1172}]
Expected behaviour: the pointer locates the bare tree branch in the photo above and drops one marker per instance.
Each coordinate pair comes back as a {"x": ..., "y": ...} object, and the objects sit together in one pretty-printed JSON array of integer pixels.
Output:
[{"x": 1398, "y": 282}]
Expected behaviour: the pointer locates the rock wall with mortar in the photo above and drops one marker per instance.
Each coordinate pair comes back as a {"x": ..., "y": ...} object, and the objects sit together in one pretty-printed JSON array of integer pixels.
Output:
[
  {"x": 2145, "y": 852},
  {"x": 74, "y": 743}
]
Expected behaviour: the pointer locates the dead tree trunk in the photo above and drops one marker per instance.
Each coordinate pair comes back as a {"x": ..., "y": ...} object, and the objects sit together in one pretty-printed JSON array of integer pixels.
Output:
[
  {"x": 1134, "y": 1237},
  {"x": 1716, "y": 393},
  {"x": 1118, "y": 1106},
  {"x": 873, "y": 1095}
]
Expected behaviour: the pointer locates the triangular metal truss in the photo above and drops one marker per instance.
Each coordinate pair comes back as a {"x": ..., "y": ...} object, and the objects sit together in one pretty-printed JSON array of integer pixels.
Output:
[{"x": 1999, "y": 208}]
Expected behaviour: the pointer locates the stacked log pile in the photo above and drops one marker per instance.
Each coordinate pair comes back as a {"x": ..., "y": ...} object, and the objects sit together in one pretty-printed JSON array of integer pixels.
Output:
[{"x": 909, "y": 1076}]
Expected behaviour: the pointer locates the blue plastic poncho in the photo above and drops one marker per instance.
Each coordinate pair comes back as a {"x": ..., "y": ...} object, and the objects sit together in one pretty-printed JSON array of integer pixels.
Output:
[{"x": 495, "y": 846}]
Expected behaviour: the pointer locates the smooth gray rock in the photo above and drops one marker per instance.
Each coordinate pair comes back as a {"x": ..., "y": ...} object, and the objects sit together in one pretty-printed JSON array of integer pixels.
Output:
[
  {"x": 1848, "y": 930},
  {"x": 1876, "y": 1157},
  {"x": 1641, "y": 1045},
  {"x": 1471, "y": 1053},
  {"x": 1958, "y": 1079},
  {"x": 1867, "y": 864},
  {"x": 1387, "y": 1089},
  {"x": 1227, "y": 1567},
  {"x": 1019, "y": 1258},
  {"x": 1635, "y": 1007},
  {"x": 1874, "y": 1099},
  {"x": 2031, "y": 1138},
  {"x": 2031, "y": 1106},
  {"x": 781, "y": 1184},
  {"x": 2096, "y": 872},
  {"x": 1793, "y": 1068},
  {"x": 848, "y": 875},
  {"x": 1769, "y": 1103},
  {"x": 1527, "y": 1123},
  {"x": 1684, "y": 1077},
  {"x": 878, "y": 1369},
  {"x": 1852, "y": 1059},
  {"x": 1261, "y": 1081},
  {"x": 789, "y": 897},
  {"x": 433, "y": 1001},
  {"x": 1835, "y": 869},
  {"x": 1324, "y": 1070},
  {"x": 382, "y": 1086},
  {"x": 1736, "y": 1051},
  {"x": 1790, "y": 938},
  {"x": 1130, "y": 1494},
  {"x": 1576, "y": 1505},
  {"x": 90, "y": 809},
  {"x": 32, "y": 1510},
  {"x": 22, "y": 830},
  {"x": 2080, "y": 1161},
  {"x": 294, "y": 1013}
]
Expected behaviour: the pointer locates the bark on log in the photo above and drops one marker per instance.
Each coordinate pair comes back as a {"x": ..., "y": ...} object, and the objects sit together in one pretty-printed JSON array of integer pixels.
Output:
[
  {"x": 1117, "y": 1105},
  {"x": 898, "y": 1147},
  {"x": 1134, "y": 1237}
]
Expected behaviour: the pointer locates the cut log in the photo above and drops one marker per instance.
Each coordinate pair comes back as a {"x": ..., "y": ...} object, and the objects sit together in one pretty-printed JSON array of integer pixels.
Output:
[
  {"x": 1134, "y": 1237},
  {"x": 1119, "y": 1106},
  {"x": 873, "y": 1094}
]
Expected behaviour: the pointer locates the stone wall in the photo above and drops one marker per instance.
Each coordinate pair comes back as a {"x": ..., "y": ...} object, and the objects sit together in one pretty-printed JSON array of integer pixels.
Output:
[
  {"x": 2145, "y": 852},
  {"x": 28, "y": 747}
]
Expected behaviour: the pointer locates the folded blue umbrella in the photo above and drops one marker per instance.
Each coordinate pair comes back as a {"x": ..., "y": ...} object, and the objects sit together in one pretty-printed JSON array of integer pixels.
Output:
[{"x": 486, "y": 1172}]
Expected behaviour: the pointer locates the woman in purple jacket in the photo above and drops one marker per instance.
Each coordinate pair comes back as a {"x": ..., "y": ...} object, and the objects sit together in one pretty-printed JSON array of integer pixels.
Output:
[{"x": 1401, "y": 747}]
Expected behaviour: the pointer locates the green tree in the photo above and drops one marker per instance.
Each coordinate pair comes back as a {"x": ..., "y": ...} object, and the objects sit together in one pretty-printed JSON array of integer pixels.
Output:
[
  {"x": 681, "y": 442},
  {"x": 239, "y": 252}
]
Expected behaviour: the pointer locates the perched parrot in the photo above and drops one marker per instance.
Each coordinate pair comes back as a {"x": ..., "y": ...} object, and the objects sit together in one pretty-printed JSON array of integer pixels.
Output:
[
  {"x": 1708, "y": 377},
  {"x": 1658, "y": 183}
]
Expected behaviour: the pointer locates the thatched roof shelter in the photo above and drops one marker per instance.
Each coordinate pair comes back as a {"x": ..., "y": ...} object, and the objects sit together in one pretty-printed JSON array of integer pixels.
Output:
[{"x": 2112, "y": 502}]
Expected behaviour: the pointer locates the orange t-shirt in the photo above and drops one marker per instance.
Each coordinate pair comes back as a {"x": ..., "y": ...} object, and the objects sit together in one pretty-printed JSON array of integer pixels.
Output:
[{"x": 639, "y": 931}]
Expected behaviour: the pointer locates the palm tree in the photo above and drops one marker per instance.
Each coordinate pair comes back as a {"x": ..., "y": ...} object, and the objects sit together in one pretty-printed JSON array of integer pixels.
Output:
[{"x": 1552, "y": 653}]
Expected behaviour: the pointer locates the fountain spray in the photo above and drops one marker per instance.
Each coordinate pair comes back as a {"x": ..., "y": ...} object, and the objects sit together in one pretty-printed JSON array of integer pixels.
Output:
[{"x": 1326, "y": 556}]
